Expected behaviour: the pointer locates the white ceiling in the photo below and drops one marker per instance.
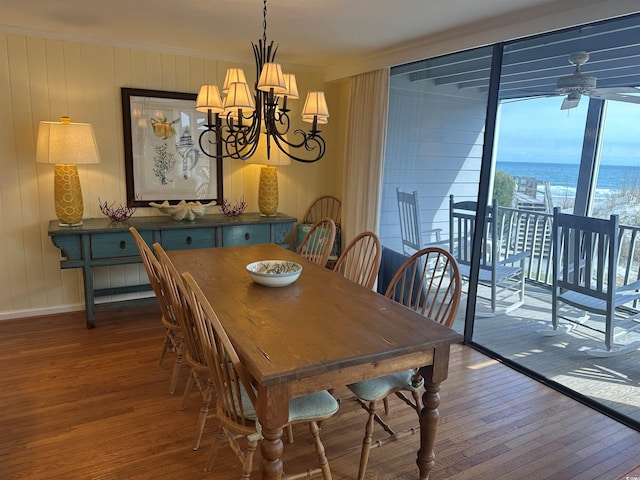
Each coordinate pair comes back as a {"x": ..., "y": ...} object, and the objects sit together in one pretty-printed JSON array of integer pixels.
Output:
[{"x": 320, "y": 33}]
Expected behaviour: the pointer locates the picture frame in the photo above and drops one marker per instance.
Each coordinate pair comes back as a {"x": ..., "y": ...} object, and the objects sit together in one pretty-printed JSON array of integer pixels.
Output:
[{"x": 163, "y": 159}]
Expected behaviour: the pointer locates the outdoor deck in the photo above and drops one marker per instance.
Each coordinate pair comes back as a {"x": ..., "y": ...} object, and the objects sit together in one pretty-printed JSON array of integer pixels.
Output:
[{"x": 611, "y": 381}]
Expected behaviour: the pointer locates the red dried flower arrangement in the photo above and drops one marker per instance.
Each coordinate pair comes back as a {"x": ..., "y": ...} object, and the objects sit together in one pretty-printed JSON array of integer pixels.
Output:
[
  {"x": 120, "y": 214},
  {"x": 233, "y": 211}
]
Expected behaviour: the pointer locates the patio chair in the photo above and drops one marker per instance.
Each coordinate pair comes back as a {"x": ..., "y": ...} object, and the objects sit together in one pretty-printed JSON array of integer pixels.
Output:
[
  {"x": 503, "y": 274},
  {"x": 413, "y": 237},
  {"x": 236, "y": 396},
  {"x": 173, "y": 332},
  {"x": 360, "y": 260},
  {"x": 585, "y": 275},
  {"x": 317, "y": 244},
  {"x": 429, "y": 283}
]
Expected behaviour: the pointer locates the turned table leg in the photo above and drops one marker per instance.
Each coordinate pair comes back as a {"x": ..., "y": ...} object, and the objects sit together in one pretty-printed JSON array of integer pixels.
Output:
[
  {"x": 433, "y": 376},
  {"x": 271, "y": 449},
  {"x": 428, "y": 423}
]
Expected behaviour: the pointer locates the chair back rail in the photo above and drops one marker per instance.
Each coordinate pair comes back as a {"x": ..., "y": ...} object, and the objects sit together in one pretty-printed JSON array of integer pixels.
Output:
[
  {"x": 317, "y": 244},
  {"x": 360, "y": 260},
  {"x": 411, "y": 233},
  {"x": 173, "y": 285},
  {"x": 429, "y": 283},
  {"x": 326, "y": 206},
  {"x": 585, "y": 254},
  {"x": 502, "y": 267}
]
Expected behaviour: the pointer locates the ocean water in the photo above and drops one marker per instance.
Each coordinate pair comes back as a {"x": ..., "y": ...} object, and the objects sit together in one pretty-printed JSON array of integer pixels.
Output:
[{"x": 563, "y": 177}]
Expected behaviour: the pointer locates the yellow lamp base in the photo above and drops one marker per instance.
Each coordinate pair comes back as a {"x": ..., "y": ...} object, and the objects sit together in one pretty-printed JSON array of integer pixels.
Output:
[
  {"x": 268, "y": 191},
  {"x": 68, "y": 195}
]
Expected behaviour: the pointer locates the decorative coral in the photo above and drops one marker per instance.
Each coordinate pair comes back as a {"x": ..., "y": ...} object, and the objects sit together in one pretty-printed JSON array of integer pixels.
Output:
[
  {"x": 235, "y": 210},
  {"x": 183, "y": 210},
  {"x": 120, "y": 214}
]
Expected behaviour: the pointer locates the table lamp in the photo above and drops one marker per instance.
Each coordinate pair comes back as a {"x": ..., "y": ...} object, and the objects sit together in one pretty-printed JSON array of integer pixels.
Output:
[
  {"x": 67, "y": 144},
  {"x": 268, "y": 186}
]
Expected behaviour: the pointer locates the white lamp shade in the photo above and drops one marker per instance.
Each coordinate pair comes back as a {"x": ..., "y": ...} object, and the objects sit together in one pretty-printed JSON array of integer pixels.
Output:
[
  {"x": 272, "y": 77},
  {"x": 309, "y": 119},
  {"x": 233, "y": 75},
  {"x": 315, "y": 105},
  {"x": 209, "y": 99},
  {"x": 291, "y": 87},
  {"x": 276, "y": 157},
  {"x": 239, "y": 97},
  {"x": 66, "y": 143}
]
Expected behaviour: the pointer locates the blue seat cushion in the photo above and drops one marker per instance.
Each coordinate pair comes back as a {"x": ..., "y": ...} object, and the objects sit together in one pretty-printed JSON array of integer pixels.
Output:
[{"x": 374, "y": 389}]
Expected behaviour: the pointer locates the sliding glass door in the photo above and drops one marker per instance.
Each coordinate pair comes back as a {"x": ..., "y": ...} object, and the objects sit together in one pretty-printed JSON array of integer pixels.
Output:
[{"x": 520, "y": 129}]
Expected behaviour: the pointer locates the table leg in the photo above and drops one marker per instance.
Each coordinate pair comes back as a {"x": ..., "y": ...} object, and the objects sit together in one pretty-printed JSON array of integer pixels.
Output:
[
  {"x": 428, "y": 423},
  {"x": 433, "y": 376},
  {"x": 271, "y": 448},
  {"x": 273, "y": 412}
]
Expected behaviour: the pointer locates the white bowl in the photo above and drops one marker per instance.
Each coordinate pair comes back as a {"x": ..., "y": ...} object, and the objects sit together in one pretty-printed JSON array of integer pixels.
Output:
[{"x": 274, "y": 273}]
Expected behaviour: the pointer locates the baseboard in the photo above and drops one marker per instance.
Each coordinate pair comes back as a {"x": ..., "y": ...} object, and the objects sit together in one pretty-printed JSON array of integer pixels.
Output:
[{"x": 41, "y": 311}]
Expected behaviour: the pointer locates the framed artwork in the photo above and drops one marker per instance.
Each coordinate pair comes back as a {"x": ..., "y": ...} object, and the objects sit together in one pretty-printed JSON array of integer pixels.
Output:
[{"x": 163, "y": 159}]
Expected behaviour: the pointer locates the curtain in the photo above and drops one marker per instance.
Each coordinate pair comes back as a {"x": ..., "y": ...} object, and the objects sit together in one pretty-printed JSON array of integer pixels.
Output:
[{"x": 364, "y": 152}]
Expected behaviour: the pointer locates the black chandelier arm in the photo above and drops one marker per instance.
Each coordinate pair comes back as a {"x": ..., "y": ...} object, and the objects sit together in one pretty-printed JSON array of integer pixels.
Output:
[
  {"x": 311, "y": 142},
  {"x": 230, "y": 140}
]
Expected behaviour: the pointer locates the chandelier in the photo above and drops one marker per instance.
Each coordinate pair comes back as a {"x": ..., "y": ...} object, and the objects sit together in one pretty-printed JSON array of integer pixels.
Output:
[{"x": 236, "y": 123}]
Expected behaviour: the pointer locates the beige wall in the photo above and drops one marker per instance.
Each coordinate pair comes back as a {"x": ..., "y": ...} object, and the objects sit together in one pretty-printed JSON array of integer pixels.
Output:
[{"x": 43, "y": 79}]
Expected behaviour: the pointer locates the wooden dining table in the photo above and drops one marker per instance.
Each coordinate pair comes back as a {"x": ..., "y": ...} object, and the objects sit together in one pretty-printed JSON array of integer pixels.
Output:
[{"x": 319, "y": 333}]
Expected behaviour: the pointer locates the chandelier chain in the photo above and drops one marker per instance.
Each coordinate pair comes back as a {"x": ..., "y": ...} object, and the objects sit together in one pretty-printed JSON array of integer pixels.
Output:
[{"x": 264, "y": 21}]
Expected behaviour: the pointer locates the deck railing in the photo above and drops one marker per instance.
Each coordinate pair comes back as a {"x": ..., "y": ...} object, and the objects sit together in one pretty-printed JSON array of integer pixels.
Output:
[{"x": 525, "y": 230}]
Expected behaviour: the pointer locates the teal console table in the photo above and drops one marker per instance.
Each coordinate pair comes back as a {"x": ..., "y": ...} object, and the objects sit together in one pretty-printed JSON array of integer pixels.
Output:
[{"x": 98, "y": 242}]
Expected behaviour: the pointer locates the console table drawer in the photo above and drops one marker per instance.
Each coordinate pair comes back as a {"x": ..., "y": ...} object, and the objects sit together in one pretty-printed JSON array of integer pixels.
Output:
[
  {"x": 188, "y": 238},
  {"x": 120, "y": 244},
  {"x": 246, "y": 234}
]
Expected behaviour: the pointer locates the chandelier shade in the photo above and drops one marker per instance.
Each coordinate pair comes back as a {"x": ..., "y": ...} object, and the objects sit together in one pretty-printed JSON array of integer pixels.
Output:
[
  {"x": 239, "y": 98},
  {"x": 233, "y": 75},
  {"x": 209, "y": 99},
  {"x": 272, "y": 79},
  {"x": 291, "y": 87},
  {"x": 236, "y": 122},
  {"x": 315, "y": 106}
]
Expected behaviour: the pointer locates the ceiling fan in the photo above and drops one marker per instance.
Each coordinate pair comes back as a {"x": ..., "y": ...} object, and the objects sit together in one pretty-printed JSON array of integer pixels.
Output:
[{"x": 578, "y": 84}]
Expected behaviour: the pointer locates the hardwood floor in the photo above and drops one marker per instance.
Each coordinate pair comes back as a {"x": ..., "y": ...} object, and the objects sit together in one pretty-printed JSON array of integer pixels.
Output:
[
  {"x": 93, "y": 404},
  {"x": 612, "y": 381}
]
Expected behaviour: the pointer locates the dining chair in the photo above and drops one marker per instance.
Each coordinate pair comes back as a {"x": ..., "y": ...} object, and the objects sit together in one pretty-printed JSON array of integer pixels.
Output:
[
  {"x": 429, "y": 283},
  {"x": 326, "y": 206},
  {"x": 360, "y": 260},
  {"x": 585, "y": 276},
  {"x": 317, "y": 244},
  {"x": 194, "y": 356},
  {"x": 236, "y": 396},
  {"x": 173, "y": 332}
]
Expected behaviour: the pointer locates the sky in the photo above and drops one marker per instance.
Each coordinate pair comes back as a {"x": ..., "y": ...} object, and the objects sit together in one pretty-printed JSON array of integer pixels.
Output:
[{"x": 536, "y": 130}]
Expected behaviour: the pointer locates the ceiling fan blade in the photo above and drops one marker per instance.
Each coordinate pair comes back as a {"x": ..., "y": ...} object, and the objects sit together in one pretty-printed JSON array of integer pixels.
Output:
[
  {"x": 612, "y": 96},
  {"x": 570, "y": 101},
  {"x": 616, "y": 90}
]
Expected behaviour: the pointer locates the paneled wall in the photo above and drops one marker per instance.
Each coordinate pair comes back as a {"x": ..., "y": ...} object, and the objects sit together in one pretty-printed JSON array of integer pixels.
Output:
[
  {"x": 434, "y": 146},
  {"x": 44, "y": 79}
]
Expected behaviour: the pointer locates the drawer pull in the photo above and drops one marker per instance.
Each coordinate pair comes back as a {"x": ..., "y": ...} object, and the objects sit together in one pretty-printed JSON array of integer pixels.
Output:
[
  {"x": 123, "y": 244},
  {"x": 188, "y": 240},
  {"x": 246, "y": 236}
]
